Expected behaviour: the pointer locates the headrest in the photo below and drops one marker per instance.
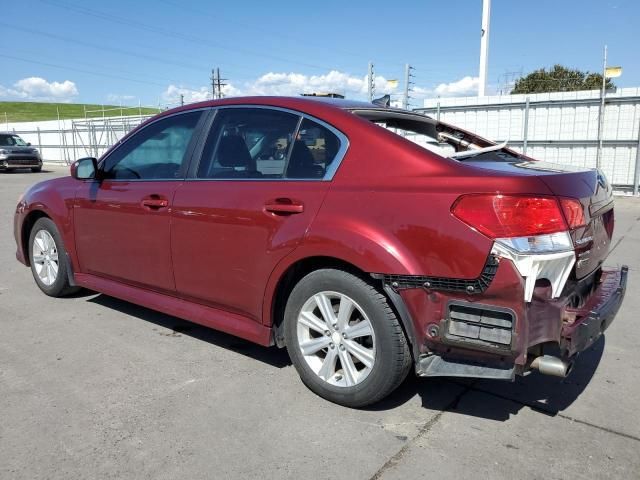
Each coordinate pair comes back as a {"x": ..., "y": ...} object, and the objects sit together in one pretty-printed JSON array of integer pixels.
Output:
[{"x": 233, "y": 152}]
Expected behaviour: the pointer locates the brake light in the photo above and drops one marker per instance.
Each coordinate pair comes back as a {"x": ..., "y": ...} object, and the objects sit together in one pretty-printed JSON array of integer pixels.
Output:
[
  {"x": 503, "y": 216},
  {"x": 573, "y": 212}
]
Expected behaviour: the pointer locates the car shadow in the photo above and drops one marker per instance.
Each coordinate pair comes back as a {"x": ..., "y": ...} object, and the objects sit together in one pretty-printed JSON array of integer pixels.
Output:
[
  {"x": 500, "y": 400},
  {"x": 275, "y": 357}
]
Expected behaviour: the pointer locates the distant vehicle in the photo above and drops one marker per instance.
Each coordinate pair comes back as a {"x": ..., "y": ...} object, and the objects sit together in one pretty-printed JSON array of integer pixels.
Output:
[
  {"x": 322, "y": 226},
  {"x": 16, "y": 153}
]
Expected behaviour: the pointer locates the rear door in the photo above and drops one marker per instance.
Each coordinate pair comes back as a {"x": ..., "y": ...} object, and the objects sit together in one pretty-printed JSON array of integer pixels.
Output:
[
  {"x": 261, "y": 179},
  {"x": 122, "y": 221}
]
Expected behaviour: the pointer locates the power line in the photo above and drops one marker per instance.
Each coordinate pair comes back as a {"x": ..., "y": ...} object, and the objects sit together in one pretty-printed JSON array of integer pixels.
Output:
[
  {"x": 164, "y": 32},
  {"x": 264, "y": 31},
  {"x": 84, "y": 43},
  {"x": 90, "y": 72}
]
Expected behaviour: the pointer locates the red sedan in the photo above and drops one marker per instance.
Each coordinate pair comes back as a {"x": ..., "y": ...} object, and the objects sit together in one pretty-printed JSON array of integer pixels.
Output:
[{"x": 366, "y": 240}]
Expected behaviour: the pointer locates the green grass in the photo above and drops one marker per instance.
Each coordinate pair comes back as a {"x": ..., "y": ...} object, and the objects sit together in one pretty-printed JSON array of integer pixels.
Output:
[{"x": 35, "y": 111}]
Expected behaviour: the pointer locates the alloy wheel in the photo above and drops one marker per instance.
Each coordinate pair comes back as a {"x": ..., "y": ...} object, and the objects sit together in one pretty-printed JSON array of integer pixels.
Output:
[
  {"x": 45, "y": 257},
  {"x": 336, "y": 339}
]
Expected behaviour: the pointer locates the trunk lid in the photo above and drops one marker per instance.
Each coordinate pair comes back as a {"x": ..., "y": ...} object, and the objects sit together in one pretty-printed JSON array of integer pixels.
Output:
[{"x": 591, "y": 242}]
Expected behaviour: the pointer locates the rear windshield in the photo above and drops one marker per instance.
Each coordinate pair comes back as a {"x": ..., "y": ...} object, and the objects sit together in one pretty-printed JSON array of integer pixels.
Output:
[
  {"x": 11, "y": 141},
  {"x": 438, "y": 137}
]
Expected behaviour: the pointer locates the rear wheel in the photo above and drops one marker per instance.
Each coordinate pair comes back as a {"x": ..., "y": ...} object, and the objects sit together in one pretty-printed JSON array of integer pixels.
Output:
[
  {"x": 344, "y": 340},
  {"x": 48, "y": 259}
]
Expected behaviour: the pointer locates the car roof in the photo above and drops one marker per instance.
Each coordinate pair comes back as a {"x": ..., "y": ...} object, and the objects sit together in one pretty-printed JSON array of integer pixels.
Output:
[{"x": 294, "y": 103}]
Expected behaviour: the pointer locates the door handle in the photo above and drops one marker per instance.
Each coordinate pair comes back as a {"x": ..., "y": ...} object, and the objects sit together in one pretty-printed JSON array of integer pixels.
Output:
[
  {"x": 284, "y": 206},
  {"x": 154, "y": 203}
]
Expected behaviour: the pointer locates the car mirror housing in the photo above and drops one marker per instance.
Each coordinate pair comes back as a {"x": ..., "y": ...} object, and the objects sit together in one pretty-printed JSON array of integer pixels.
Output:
[{"x": 84, "y": 168}]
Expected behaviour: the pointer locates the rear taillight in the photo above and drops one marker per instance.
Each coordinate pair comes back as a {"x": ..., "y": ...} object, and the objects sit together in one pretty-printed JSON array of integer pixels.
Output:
[
  {"x": 573, "y": 212},
  {"x": 504, "y": 216}
]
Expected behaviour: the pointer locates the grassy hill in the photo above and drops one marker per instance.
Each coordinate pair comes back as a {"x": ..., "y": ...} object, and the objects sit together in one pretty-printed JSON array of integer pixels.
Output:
[{"x": 34, "y": 111}]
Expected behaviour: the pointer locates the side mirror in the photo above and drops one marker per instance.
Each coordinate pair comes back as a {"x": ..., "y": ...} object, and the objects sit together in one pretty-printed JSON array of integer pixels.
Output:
[
  {"x": 28, "y": 144},
  {"x": 84, "y": 169}
]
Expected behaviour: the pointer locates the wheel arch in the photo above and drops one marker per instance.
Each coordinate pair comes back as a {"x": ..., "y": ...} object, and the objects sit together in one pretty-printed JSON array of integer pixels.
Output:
[
  {"x": 302, "y": 267},
  {"x": 27, "y": 225}
]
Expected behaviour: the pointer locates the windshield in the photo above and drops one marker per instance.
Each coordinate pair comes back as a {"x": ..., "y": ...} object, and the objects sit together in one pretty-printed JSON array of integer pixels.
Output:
[
  {"x": 11, "y": 141},
  {"x": 438, "y": 137}
]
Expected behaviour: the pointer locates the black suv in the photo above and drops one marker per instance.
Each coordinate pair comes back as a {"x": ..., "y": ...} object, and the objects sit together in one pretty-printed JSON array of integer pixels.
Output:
[{"x": 16, "y": 153}]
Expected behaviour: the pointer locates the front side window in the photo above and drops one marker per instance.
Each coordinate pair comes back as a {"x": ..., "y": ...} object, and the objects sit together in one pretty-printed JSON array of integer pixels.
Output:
[
  {"x": 158, "y": 151},
  {"x": 249, "y": 143}
]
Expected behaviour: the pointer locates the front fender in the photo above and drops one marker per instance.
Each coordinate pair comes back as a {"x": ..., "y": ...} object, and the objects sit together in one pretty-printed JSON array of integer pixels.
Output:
[{"x": 53, "y": 198}]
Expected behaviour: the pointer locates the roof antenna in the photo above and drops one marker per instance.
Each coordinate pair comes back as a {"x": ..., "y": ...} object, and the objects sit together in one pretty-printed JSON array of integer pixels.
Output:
[{"x": 384, "y": 101}]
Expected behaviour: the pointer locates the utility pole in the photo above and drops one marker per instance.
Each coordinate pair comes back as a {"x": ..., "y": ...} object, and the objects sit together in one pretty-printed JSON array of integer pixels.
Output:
[
  {"x": 217, "y": 83},
  {"x": 182, "y": 100},
  {"x": 603, "y": 94},
  {"x": 371, "y": 83},
  {"x": 484, "y": 47},
  {"x": 407, "y": 86},
  {"x": 213, "y": 84}
]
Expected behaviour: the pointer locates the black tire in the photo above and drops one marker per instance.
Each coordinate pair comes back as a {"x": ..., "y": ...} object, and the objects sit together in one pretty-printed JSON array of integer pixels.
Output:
[
  {"x": 36, "y": 169},
  {"x": 392, "y": 358},
  {"x": 60, "y": 287}
]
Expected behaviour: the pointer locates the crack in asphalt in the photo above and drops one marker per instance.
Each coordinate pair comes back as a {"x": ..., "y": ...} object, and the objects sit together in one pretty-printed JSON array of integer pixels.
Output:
[
  {"x": 395, "y": 459},
  {"x": 538, "y": 408}
]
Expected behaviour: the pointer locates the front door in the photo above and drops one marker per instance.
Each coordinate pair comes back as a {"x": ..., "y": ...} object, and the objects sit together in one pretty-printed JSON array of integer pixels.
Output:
[
  {"x": 261, "y": 179},
  {"x": 122, "y": 220}
]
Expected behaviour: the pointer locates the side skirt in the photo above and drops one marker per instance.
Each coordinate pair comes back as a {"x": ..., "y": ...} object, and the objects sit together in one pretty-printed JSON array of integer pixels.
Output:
[{"x": 227, "y": 322}]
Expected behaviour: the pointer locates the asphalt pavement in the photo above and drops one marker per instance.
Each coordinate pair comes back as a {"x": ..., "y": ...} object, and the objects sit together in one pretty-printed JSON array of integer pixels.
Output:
[{"x": 94, "y": 387}]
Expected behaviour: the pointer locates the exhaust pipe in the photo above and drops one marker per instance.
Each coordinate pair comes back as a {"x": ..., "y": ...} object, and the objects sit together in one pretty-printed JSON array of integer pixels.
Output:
[{"x": 550, "y": 365}]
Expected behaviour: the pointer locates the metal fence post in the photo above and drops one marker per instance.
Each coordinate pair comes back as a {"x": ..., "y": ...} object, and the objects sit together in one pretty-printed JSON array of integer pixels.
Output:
[
  {"x": 525, "y": 130},
  {"x": 636, "y": 172},
  {"x": 40, "y": 144}
]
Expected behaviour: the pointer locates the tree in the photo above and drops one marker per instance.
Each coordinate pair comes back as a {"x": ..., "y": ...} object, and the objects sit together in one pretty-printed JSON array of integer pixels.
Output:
[{"x": 559, "y": 79}]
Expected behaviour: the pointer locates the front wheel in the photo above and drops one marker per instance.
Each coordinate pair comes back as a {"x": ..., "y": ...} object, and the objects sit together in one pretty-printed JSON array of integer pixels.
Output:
[
  {"x": 48, "y": 259},
  {"x": 36, "y": 169},
  {"x": 344, "y": 340}
]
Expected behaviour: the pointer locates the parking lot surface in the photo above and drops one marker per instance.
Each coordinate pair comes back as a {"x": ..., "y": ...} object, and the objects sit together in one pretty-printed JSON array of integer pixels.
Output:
[{"x": 94, "y": 387}]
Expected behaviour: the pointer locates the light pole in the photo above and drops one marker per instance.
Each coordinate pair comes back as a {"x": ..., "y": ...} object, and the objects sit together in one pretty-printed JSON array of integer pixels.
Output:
[
  {"x": 607, "y": 72},
  {"x": 484, "y": 47}
]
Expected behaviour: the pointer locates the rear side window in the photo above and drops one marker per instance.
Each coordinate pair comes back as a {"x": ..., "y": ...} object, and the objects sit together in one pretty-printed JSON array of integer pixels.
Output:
[
  {"x": 264, "y": 144},
  {"x": 156, "y": 152},
  {"x": 248, "y": 143},
  {"x": 314, "y": 150}
]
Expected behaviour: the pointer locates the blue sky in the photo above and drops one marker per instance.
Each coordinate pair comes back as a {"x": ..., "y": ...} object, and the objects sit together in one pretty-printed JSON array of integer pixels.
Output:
[{"x": 152, "y": 51}]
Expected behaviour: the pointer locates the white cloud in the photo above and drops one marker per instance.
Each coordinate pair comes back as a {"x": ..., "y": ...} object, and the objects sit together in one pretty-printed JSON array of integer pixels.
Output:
[
  {"x": 460, "y": 88},
  {"x": 37, "y": 88},
  {"x": 273, "y": 83},
  {"x": 117, "y": 98},
  {"x": 281, "y": 83},
  {"x": 293, "y": 84},
  {"x": 172, "y": 94}
]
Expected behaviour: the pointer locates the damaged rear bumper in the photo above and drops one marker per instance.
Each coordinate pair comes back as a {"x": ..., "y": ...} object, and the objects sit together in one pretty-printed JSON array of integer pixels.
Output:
[
  {"x": 597, "y": 314},
  {"x": 500, "y": 336}
]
